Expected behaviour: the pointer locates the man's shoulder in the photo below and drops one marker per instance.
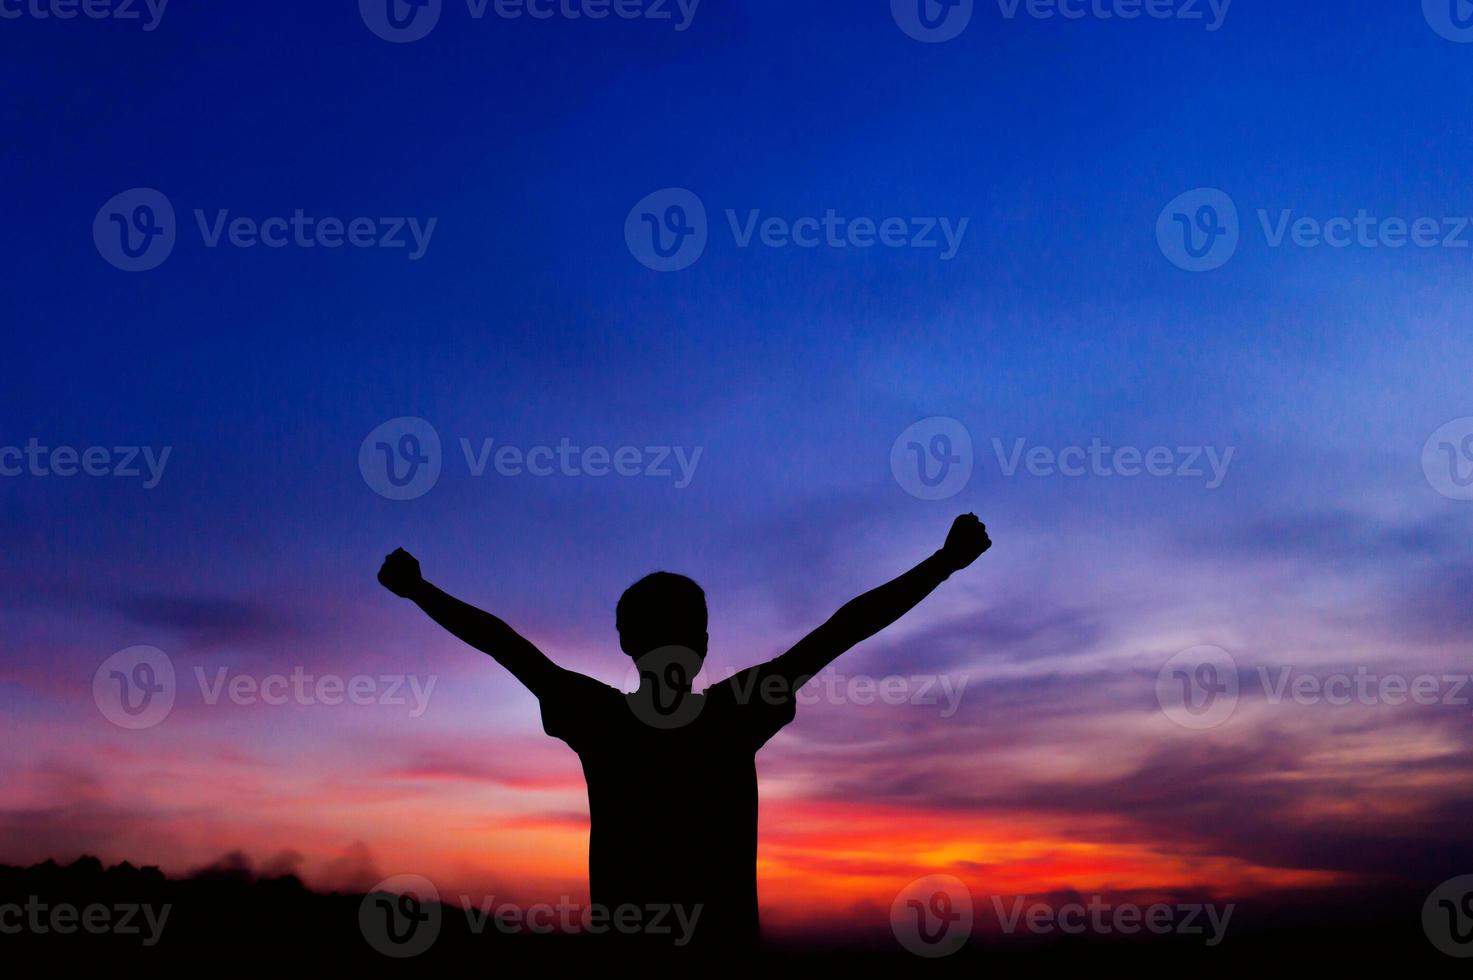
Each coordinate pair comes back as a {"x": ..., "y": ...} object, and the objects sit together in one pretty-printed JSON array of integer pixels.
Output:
[
  {"x": 570, "y": 682},
  {"x": 756, "y": 698},
  {"x": 574, "y": 705},
  {"x": 755, "y": 683}
]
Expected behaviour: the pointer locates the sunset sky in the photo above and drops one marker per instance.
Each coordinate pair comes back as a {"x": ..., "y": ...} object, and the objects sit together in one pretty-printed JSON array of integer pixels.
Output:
[{"x": 1326, "y": 549}]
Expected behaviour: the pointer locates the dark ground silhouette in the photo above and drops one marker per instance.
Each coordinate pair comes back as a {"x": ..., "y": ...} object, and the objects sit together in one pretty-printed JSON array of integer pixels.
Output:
[{"x": 232, "y": 916}]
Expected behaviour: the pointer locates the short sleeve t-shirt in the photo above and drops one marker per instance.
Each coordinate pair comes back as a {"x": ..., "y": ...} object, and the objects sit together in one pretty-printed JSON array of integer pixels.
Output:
[{"x": 672, "y": 795}]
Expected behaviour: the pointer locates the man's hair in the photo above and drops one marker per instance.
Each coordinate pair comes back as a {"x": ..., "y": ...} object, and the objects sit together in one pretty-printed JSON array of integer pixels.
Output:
[{"x": 661, "y": 609}]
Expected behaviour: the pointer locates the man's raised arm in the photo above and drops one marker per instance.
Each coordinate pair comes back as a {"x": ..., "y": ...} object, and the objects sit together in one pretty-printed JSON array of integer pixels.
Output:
[
  {"x": 865, "y": 616},
  {"x": 400, "y": 574}
]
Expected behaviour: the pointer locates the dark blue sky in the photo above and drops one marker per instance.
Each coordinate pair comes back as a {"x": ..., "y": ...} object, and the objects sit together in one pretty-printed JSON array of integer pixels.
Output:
[{"x": 527, "y": 319}]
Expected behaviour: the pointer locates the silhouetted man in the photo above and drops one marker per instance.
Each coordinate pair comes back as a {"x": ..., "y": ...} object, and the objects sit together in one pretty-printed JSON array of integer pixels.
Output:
[{"x": 672, "y": 780}]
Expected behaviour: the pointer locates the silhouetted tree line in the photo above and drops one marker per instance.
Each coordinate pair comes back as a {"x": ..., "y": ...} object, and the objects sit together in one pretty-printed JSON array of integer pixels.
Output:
[{"x": 227, "y": 913}]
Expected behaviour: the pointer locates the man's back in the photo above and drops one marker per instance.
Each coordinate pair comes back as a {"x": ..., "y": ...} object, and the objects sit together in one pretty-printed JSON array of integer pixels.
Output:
[
  {"x": 672, "y": 785},
  {"x": 672, "y": 794}
]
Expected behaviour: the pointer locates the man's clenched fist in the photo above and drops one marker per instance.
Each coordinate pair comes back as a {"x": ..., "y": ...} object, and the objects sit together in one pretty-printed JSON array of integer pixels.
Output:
[
  {"x": 965, "y": 542},
  {"x": 400, "y": 573}
]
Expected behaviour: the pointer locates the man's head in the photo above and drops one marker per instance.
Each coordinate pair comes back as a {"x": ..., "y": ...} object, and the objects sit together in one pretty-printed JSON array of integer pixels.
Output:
[{"x": 661, "y": 610}]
